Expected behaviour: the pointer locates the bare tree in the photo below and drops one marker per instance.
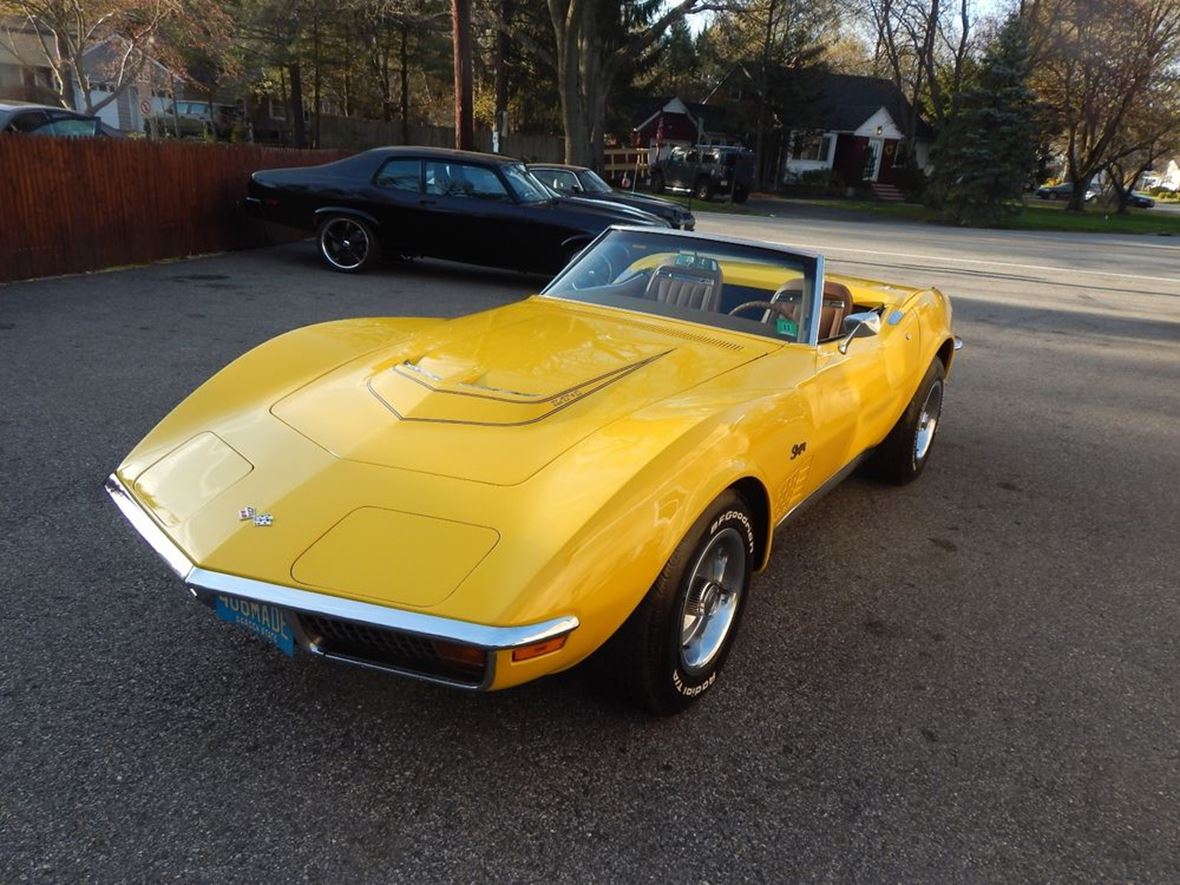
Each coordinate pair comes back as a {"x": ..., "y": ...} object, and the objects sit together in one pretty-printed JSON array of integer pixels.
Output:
[
  {"x": 1150, "y": 131},
  {"x": 1095, "y": 62},
  {"x": 593, "y": 43},
  {"x": 924, "y": 46},
  {"x": 66, "y": 31}
]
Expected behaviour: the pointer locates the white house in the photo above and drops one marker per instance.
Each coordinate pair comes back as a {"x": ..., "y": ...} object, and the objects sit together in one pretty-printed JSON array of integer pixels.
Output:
[{"x": 856, "y": 128}]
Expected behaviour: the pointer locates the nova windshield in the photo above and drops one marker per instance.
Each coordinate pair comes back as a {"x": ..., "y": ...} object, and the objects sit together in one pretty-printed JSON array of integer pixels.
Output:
[
  {"x": 525, "y": 186},
  {"x": 593, "y": 184},
  {"x": 745, "y": 288}
]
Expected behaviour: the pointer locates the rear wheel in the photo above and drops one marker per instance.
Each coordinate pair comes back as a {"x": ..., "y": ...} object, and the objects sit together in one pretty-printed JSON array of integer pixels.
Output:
[
  {"x": 672, "y": 648},
  {"x": 704, "y": 189},
  {"x": 740, "y": 195},
  {"x": 903, "y": 455},
  {"x": 347, "y": 244}
]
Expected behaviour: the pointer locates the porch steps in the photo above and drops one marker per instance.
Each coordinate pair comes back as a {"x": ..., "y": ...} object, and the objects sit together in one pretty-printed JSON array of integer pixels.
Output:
[{"x": 887, "y": 192}]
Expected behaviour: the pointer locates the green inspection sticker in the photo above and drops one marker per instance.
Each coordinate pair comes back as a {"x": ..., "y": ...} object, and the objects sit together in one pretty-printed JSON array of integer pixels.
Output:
[{"x": 786, "y": 328}]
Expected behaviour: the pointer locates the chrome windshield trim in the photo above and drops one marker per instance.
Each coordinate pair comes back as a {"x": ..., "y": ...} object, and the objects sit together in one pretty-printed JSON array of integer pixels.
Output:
[
  {"x": 784, "y": 248},
  {"x": 817, "y": 303},
  {"x": 418, "y": 623},
  {"x": 147, "y": 528}
]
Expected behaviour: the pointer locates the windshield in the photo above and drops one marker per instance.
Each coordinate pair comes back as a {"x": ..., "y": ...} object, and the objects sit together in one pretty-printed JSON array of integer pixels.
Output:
[
  {"x": 525, "y": 186},
  {"x": 745, "y": 288},
  {"x": 593, "y": 184}
]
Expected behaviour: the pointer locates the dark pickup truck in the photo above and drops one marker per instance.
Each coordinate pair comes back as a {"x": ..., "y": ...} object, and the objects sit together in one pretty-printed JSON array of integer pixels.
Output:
[{"x": 705, "y": 171}]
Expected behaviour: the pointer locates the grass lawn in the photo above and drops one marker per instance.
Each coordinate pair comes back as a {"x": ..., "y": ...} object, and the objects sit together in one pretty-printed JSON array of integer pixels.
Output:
[{"x": 1037, "y": 215}]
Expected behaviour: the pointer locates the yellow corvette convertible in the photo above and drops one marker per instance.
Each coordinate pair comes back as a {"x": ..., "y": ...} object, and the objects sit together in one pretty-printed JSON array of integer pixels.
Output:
[{"x": 594, "y": 470}]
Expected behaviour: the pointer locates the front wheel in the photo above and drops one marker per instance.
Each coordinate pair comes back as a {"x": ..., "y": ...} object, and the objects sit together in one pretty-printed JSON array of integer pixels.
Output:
[
  {"x": 903, "y": 455},
  {"x": 657, "y": 182},
  {"x": 347, "y": 244},
  {"x": 672, "y": 648},
  {"x": 704, "y": 190}
]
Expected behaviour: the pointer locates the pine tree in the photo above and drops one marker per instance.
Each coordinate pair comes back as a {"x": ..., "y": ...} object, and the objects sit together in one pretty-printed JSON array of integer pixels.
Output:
[{"x": 987, "y": 152}]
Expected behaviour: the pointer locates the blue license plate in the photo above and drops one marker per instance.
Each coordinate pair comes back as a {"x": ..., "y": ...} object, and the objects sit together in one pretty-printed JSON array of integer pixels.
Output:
[{"x": 265, "y": 621}]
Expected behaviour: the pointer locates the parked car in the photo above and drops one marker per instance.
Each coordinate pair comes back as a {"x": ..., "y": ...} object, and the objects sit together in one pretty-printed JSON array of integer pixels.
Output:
[
  {"x": 457, "y": 205},
  {"x": 578, "y": 181},
  {"x": 40, "y": 119},
  {"x": 193, "y": 119},
  {"x": 1063, "y": 191},
  {"x": 483, "y": 501},
  {"x": 1140, "y": 200},
  {"x": 705, "y": 171}
]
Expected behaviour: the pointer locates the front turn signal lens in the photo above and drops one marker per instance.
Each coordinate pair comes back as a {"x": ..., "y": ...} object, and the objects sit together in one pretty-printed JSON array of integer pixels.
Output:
[
  {"x": 528, "y": 652},
  {"x": 461, "y": 654}
]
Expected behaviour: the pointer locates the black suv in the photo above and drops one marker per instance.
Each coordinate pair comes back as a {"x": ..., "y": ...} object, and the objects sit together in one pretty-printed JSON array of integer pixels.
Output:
[{"x": 705, "y": 171}]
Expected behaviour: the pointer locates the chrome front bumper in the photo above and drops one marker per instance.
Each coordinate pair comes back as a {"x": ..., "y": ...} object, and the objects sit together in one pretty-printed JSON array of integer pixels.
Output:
[{"x": 206, "y": 585}]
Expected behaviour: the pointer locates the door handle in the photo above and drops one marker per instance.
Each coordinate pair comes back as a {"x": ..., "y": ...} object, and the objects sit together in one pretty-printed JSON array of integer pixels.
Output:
[{"x": 428, "y": 202}]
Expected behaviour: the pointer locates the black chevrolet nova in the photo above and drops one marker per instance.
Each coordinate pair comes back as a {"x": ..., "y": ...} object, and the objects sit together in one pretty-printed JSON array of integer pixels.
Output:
[
  {"x": 410, "y": 201},
  {"x": 587, "y": 184}
]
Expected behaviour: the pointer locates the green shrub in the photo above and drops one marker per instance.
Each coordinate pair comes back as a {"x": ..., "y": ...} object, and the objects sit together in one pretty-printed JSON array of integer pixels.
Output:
[{"x": 817, "y": 183}]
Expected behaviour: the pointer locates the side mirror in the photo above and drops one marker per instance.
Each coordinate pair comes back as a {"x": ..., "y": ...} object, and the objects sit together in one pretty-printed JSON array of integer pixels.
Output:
[{"x": 859, "y": 325}]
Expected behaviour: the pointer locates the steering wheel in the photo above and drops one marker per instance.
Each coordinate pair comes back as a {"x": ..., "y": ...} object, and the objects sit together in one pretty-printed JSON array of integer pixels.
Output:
[
  {"x": 783, "y": 309},
  {"x": 597, "y": 271}
]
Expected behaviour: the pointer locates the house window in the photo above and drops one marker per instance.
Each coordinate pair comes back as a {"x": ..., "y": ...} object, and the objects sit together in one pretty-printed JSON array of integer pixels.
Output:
[
  {"x": 735, "y": 91},
  {"x": 901, "y": 156},
  {"x": 812, "y": 145}
]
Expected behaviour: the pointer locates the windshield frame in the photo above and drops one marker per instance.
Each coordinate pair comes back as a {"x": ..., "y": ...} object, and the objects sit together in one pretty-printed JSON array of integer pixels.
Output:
[
  {"x": 510, "y": 171},
  {"x": 811, "y": 264},
  {"x": 600, "y": 185}
]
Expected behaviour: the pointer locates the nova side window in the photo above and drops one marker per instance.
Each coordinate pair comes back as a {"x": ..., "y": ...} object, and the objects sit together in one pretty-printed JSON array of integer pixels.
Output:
[
  {"x": 463, "y": 180},
  {"x": 400, "y": 175},
  {"x": 561, "y": 180}
]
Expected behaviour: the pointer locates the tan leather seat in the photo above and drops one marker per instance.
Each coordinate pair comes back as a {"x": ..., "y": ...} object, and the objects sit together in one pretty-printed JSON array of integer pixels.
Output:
[
  {"x": 686, "y": 287},
  {"x": 837, "y": 304}
]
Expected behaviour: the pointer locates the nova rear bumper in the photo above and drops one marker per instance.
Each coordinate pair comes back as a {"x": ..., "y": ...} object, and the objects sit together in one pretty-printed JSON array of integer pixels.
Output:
[{"x": 360, "y": 633}]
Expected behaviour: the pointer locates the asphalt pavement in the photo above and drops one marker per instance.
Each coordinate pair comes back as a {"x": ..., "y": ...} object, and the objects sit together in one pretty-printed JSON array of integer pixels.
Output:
[{"x": 973, "y": 678}]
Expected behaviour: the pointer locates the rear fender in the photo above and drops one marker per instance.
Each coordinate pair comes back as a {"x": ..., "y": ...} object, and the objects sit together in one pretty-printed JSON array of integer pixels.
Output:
[{"x": 320, "y": 214}]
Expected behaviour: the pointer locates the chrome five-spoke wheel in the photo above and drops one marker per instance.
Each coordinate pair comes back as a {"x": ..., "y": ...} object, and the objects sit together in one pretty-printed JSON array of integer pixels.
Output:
[
  {"x": 674, "y": 645},
  {"x": 928, "y": 421},
  {"x": 711, "y": 603}
]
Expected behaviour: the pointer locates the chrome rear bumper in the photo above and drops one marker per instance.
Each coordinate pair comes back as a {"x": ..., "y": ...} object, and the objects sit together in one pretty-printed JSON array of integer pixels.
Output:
[{"x": 206, "y": 585}]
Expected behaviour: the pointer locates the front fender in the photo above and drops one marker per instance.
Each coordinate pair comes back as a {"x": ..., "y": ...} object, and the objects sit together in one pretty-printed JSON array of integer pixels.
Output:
[
  {"x": 262, "y": 376},
  {"x": 615, "y": 510}
]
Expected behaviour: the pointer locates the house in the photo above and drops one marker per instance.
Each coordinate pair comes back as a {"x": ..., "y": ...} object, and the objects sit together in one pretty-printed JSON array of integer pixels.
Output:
[
  {"x": 150, "y": 94},
  {"x": 817, "y": 121},
  {"x": 672, "y": 121},
  {"x": 1166, "y": 175},
  {"x": 24, "y": 74},
  {"x": 856, "y": 126}
]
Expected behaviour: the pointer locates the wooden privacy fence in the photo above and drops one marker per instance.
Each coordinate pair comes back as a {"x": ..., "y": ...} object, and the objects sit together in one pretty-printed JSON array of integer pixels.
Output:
[{"x": 71, "y": 205}]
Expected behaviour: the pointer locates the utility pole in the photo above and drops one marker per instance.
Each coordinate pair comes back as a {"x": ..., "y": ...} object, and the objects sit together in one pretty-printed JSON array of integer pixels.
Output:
[
  {"x": 499, "y": 127},
  {"x": 461, "y": 30}
]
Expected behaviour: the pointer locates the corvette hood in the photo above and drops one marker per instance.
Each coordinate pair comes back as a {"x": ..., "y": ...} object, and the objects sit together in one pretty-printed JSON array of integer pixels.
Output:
[{"x": 497, "y": 396}]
